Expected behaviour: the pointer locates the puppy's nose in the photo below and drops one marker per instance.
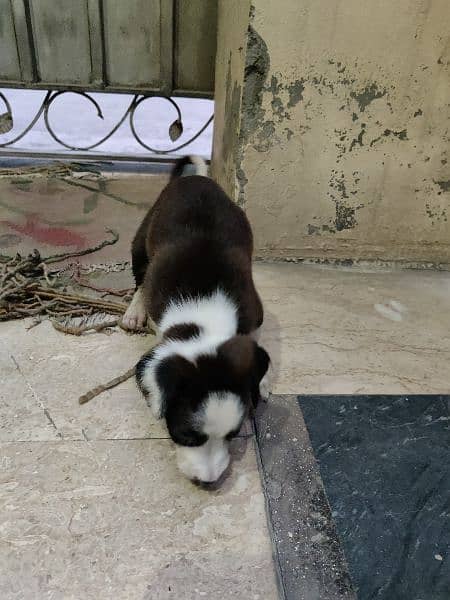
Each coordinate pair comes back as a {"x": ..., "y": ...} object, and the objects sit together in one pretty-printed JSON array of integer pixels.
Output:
[{"x": 206, "y": 485}]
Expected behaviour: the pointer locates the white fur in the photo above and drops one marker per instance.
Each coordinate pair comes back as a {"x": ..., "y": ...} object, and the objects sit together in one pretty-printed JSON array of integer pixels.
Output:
[
  {"x": 221, "y": 413},
  {"x": 216, "y": 315},
  {"x": 201, "y": 168},
  {"x": 153, "y": 393},
  {"x": 205, "y": 463},
  {"x": 135, "y": 315}
]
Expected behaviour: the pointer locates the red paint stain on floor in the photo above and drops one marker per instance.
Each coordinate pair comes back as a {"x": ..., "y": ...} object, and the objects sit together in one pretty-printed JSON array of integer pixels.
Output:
[{"x": 44, "y": 234}]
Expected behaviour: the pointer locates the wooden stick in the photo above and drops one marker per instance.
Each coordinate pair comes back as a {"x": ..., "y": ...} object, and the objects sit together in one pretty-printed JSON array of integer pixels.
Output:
[
  {"x": 106, "y": 291},
  {"x": 106, "y": 386},
  {"x": 80, "y": 329},
  {"x": 74, "y": 298},
  {"x": 66, "y": 255}
]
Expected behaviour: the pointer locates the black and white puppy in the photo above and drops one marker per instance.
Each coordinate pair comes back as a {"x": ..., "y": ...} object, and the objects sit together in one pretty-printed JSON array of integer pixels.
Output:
[{"x": 192, "y": 262}]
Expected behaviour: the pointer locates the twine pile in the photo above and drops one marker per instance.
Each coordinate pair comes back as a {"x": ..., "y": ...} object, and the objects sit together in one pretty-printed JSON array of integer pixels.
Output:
[{"x": 32, "y": 287}]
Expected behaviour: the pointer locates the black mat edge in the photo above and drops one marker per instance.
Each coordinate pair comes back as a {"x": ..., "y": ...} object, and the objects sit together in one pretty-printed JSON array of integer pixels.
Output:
[{"x": 309, "y": 560}]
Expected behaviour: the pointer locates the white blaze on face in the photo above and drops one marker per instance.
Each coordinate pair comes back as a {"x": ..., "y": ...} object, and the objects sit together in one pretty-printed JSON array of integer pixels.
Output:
[
  {"x": 221, "y": 414},
  {"x": 205, "y": 463}
]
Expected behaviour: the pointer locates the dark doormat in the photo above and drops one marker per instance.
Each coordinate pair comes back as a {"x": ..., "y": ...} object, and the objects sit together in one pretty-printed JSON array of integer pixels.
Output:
[
  {"x": 385, "y": 465},
  {"x": 377, "y": 503}
]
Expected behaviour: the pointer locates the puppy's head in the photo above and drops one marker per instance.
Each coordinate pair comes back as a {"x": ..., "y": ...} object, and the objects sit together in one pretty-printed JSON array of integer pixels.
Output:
[{"x": 205, "y": 401}]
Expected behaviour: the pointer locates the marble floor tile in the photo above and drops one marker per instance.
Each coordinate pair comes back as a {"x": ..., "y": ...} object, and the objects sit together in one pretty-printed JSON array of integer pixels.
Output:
[
  {"x": 59, "y": 368},
  {"x": 22, "y": 416},
  {"x": 75, "y": 481},
  {"x": 349, "y": 331},
  {"x": 114, "y": 519},
  {"x": 53, "y": 370}
]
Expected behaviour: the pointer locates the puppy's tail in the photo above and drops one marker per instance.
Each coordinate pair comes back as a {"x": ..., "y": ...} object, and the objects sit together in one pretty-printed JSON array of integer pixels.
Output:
[{"x": 189, "y": 165}]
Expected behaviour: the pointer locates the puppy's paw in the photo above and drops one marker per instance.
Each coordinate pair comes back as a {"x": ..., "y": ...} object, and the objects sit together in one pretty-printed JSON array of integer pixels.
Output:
[
  {"x": 135, "y": 315},
  {"x": 265, "y": 387}
]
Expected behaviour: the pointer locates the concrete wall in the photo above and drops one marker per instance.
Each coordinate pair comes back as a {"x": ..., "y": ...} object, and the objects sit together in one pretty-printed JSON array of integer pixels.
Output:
[
  {"x": 333, "y": 124},
  {"x": 233, "y": 23}
]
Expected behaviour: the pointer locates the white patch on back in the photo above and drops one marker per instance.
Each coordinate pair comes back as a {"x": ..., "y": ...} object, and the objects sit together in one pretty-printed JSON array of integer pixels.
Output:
[
  {"x": 201, "y": 168},
  {"x": 216, "y": 315}
]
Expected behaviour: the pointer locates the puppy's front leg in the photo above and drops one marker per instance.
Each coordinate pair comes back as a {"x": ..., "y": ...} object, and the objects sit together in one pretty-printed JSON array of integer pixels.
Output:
[{"x": 135, "y": 315}]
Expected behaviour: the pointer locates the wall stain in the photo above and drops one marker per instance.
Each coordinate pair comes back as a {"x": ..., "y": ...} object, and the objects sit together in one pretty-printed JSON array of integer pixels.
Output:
[
  {"x": 358, "y": 140},
  {"x": 367, "y": 96},
  {"x": 341, "y": 144},
  {"x": 257, "y": 65},
  {"x": 401, "y": 135},
  {"x": 436, "y": 215},
  {"x": 232, "y": 110},
  {"x": 444, "y": 185},
  {"x": 278, "y": 109},
  {"x": 278, "y": 90},
  {"x": 313, "y": 229},
  {"x": 289, "y": 133},
  {"x": 295, "y": 91},
  {"x": 345, "y": 216},
  {"x": 265, "y": 137}
]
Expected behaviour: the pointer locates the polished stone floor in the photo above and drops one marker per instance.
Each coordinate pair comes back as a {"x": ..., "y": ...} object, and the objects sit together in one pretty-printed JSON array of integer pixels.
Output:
[{"x": 91, "y": 504}]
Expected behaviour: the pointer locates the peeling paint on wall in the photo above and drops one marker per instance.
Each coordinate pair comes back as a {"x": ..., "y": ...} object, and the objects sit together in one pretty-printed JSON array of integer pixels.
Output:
[
  {"x": 436, "y": 214},
  {"x": 232, "y": 109},
  {"x": 368, "y": 95},
  {"x": 257, "y": 65},
  {"x": 346, "y": 140},
  {"x": 444, "y": 185}
]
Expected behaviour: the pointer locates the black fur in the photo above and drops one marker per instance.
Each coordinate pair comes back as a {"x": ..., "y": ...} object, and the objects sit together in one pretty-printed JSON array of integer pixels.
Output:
[
  {"x": 140, "y": 370},
  {"x": 183, "y": 331},
  {"x": 192, "y": 241}
]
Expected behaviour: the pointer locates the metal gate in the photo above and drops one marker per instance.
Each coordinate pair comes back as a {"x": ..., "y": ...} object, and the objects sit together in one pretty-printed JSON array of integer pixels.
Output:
[{"x": 145, "y": 47}]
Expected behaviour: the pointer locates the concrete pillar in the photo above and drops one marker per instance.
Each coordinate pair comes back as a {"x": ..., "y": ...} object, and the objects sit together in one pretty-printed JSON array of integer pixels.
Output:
[{"x": 333, "y": 126}]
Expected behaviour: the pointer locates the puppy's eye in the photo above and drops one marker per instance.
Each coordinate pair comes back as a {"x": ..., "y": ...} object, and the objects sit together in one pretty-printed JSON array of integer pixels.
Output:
[
  {"x": 232, "y": 434},
  {"x": 192, "y": 439}
]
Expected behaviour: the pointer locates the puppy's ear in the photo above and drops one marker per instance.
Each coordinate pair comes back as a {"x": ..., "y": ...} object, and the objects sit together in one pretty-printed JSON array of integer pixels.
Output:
[
  {"x": 239, "y": 353},
  {"x": 174, "y": 375},
  {"x": 247, "y": 360},
  {"x": 262, "y": 362}
]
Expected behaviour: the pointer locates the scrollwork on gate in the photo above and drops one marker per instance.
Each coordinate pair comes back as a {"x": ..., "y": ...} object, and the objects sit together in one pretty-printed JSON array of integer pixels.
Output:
[{"x": 174, "y": 132}]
